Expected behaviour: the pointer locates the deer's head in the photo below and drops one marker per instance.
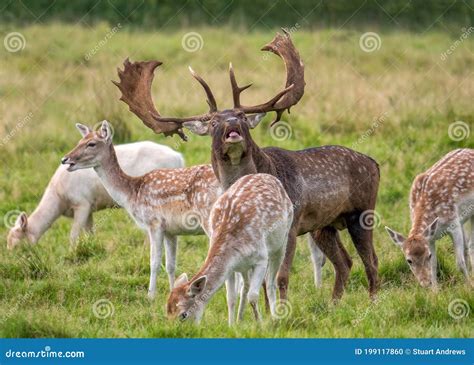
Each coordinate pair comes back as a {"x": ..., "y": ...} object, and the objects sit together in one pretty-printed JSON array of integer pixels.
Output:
[
  {"x": 185, "y": 301},
  {"x": 19, "y": 232},
  {"x": 230, "y": 128},
  {"x": 91, "y": 149},
  {"x": 417, "y": 252}
]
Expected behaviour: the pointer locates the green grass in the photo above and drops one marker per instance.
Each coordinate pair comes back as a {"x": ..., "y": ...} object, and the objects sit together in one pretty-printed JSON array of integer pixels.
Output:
[{"x": 50, "y": 289}]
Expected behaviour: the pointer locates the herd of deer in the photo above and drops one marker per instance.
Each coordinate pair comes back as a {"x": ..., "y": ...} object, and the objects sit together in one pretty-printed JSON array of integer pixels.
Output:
[{"x": 251, "y": 202}]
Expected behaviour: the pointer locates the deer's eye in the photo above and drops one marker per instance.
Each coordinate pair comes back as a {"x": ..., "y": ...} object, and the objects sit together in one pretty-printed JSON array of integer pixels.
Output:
[
  {"x": 409, "y": 261},
  {"x": 91, "y": 144},
  {"x": 429, "y": 256},
  {"x": 214, "y": 124}
]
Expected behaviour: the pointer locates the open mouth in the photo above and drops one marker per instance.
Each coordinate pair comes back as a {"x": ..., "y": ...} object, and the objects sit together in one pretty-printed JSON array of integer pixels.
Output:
[{"x": 233, "y": 136}]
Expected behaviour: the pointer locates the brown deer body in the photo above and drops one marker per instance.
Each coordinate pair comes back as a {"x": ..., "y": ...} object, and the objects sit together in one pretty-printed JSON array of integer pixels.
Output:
[
  {"x": 331, "y": 187},
  {"x": 441, "y": 201},
  {"x": 249, "y": 227},
  {"x": 164, "y": 202}
]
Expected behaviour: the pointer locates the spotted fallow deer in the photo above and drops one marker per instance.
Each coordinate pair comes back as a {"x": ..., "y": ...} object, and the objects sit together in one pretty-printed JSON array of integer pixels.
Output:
[
  {"x": 441, "y": 201},
  {"x": 164, "y": 202},
  {"x": 249, "y": 227},
  {"x": 78, "y": 195},
  {"x": 330, "y": 187}
]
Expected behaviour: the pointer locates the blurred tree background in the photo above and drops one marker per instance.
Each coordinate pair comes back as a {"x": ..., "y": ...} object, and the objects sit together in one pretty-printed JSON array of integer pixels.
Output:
[{"x": 246, "y": 14}]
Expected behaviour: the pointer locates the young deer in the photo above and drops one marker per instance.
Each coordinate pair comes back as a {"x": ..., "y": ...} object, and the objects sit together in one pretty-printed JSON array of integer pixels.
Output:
[
  {"x": 79, "y": 194},
  {"x": 441, "y": 201},
  {"x": 165, "y": 202},
  {"x": 331, "y": 187},
  {"x": 249, "y": 227}
]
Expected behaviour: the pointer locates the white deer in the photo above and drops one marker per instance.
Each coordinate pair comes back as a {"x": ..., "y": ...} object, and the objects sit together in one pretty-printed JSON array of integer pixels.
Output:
[
  {"x": 249, "y": 227},
  {"x": 441, "y": 201},
  {"x": 164, "y": 202},
  {"x": 81, "y": 193}
]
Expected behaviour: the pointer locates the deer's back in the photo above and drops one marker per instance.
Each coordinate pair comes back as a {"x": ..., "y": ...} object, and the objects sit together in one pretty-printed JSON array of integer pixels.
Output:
[
  {"x": 445, "y": 185},
  {"x": 325, "y": 182}
]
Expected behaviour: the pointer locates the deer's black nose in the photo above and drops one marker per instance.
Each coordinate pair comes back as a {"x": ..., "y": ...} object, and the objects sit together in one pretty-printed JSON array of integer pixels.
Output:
[{"x": 64, "y": 160}]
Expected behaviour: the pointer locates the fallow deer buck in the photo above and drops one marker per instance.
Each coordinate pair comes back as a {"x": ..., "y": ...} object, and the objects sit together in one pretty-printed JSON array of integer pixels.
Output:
[
  {"x": 330, "y": 187},
  {"x": 164, "y": 202},
  {"x": 81, "y": 193},
  {"x": 249, "y": 227},
  {"x": 441, "y": 201}
]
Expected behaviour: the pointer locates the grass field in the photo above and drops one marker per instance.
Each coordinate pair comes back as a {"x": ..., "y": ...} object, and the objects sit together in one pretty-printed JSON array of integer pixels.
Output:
[{"x": 396, "y": 104}]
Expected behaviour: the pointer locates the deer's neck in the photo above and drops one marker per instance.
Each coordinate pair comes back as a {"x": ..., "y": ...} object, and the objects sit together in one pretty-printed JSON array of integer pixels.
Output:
[
  {"x": 217, "y": 268},
  {"x": 422, "y": 217},
  {"x": 120, "y": 186},
  {"x": 47, "y": 211},
  {"x": 253, "y": 160}
]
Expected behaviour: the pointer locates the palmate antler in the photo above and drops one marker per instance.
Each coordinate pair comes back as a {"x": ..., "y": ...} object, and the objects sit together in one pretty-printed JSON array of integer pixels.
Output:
[
  {"x": 136, "y": 79},
  {"x": 282, "y": 46}
]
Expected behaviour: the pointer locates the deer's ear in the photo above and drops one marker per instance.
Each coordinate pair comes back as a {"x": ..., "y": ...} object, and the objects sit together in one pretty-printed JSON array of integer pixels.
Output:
[
  {"x": 106, "y": 131},
  {"x": 22, "y": 221},
  {"x": 83, "y": 129},
  {"x": 182, "y": 279},
  {"x": 396, "y": 237},
  {"x": 197, "y": 127},
  {"x": 430, "y": 231},
  {"x": 198, "y": 286},
  {"x": 254, "y": 119}
]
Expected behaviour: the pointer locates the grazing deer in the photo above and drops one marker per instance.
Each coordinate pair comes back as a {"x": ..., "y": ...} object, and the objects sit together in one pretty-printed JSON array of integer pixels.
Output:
[
  {"x": 331, "y": 187},
  {"x": 441, "y": 201},
  {"x": 81, "y": 193},
  {"x": 164, "y": 202},
  {"x": 249, "y": 227}
]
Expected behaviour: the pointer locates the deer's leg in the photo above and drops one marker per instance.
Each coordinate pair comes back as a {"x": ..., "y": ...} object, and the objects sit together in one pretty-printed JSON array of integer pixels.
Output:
[
  {"x": 434, "y": 266},
  {"x": 256, "y": 280},
  {"x": 274, "y": 264},
  {"x": 471, "y": 246},
  {"x": 81, "y": 217},
  {"x": 156, "y": 244},
  {"x": 318, "y": 259},
  {"x": 328, "y": 241},
  {"x": 244, "y": 290},
  {"x": 171, "y": 244},
  {"x": 283, "y": 274},
  {"x": 231, "y": 296},
  {"x": 457, "y": 235},
  {"x": 362, "y": 238}
]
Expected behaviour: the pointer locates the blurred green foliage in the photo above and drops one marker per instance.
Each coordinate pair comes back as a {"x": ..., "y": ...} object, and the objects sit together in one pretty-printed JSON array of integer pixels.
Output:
[{"x": 414, "y": 14}]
